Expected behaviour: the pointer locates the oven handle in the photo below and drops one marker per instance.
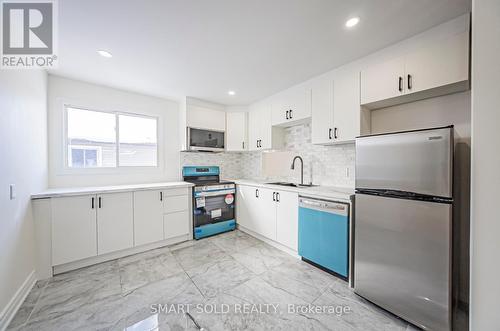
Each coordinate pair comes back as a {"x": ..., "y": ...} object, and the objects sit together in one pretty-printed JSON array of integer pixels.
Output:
[{"x": 214, "y": 193}]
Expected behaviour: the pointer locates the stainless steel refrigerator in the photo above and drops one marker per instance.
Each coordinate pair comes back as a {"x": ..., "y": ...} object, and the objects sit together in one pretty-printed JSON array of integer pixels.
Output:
[{"x": 403, "y": 224}]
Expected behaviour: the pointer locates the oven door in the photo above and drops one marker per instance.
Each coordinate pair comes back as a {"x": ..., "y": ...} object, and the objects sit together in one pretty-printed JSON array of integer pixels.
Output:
[{"x": 213, "y": 207}]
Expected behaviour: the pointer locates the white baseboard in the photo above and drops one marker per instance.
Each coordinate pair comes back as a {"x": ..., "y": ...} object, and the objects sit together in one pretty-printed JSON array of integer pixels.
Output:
[
  {"x": 16, "y": 301},
  {"x": 58, "y": 269},
  {"x": 270, "y": 242}
]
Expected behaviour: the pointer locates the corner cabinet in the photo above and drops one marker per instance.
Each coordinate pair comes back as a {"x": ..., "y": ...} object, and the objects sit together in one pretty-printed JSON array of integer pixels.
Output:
[
  {"x": 270, "y": 213},
  {"x": 261, "y": 134},
  {"x": 291, "y": 106},
  {"x": 439, "y": 68},
  {"x": 335, "y": 108}
]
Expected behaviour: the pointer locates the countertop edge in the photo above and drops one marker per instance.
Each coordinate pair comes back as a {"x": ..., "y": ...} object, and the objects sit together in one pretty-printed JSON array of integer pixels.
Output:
[
  {"x": 75, "y": 191},
  {"x": 326, "y": 192}
]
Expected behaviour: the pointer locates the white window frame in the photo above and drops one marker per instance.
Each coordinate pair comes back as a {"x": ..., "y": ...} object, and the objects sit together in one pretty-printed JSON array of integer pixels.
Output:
[{"x": 66, "y": 169}]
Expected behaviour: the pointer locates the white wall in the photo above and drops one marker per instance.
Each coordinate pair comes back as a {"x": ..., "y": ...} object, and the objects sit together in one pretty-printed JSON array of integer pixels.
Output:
[
  {"x": 63, "y": 90},
  {"x": 485, "y": 215},
  {"x": 23, "y": 150}
]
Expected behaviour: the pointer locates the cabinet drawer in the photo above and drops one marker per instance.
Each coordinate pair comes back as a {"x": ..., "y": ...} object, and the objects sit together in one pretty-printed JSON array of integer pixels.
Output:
[
  {"x": 175, "y": 224},
  {"x": 176, "y": 203},
  {"x": 177, "y": 191}
]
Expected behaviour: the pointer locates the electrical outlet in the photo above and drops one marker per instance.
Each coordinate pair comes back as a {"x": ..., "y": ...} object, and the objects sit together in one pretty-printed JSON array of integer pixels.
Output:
[{"x": 12, "y": 191}]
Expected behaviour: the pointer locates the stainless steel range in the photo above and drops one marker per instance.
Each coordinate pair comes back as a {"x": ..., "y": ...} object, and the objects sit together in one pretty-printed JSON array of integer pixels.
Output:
[{"x": 213, "y": 201}]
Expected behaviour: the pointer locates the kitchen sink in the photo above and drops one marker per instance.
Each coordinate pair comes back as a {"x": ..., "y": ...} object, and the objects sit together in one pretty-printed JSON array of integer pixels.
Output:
[{"x": 291, "y": 184}]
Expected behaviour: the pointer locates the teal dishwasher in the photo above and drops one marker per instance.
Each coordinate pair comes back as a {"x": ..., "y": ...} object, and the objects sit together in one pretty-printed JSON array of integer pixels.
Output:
[{"x": 324, "y": 234}]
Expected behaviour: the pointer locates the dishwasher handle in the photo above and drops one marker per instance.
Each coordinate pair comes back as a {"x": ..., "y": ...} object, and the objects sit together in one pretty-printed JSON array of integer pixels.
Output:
[{"x": 327, "y": 206}]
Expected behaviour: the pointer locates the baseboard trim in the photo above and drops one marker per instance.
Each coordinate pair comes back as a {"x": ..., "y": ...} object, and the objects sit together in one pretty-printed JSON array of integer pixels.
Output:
[
  {"x": 16, "y": 301},
  {"x": 269, "y": 241},
  {"x": 58, "y": 269}
]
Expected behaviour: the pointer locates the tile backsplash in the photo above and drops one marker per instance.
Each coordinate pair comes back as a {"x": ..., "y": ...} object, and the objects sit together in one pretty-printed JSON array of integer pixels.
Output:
[{"x": 331, "y": 165}]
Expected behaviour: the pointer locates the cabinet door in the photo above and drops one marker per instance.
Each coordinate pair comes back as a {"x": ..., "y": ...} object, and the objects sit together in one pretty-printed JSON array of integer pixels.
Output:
[
  {"x": 287, "y": 219},
  {"x": 265, "y": 214},
  {"x": 382, "y": 81},
  {"x": 291, "y": 105},
  {"x": 74, "y": 229},
  {"x": 254, "y": 128},
  {"x": 346, "y": 115},
  {"x": 244, "y": 197},
  {"x": 176, "y": 224},
  {"x": 115, "y": 223},
  {"x": 266, "y": 129},
  {"x": 440, "y": 64},
  {"x": 148, "y": 217},
  {"x": 236, "y": 131},
  {"x": 300, "y": 104},
  {"x": 322, "y": 111},
  {"x": 172, "y": 204}
]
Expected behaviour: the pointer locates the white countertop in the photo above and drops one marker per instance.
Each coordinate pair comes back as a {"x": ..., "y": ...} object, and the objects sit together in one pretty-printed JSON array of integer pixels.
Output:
[
  {"x": 325, "y": 192},
  {"x": 72, "y": 191}
]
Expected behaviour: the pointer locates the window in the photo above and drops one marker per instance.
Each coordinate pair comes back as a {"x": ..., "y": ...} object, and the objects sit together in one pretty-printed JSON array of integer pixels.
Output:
[{"x": 98, "y": 139}]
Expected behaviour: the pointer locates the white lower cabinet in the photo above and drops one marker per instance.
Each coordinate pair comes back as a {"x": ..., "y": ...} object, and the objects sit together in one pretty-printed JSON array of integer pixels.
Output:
[
  {"x": 148, "y": 217},
  {"x": 270, "y": 213},
  {"x": 175, "y": 224},
  {"x": 287, "y": 219},
  {"x": 97, "y": 224},
  {"x": 115, "y": 222},
  {"x": 74, "y": 228}
]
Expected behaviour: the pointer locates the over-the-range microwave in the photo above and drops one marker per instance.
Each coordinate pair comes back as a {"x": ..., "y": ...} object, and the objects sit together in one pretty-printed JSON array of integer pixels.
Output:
[{"x": 204, "y": 140}]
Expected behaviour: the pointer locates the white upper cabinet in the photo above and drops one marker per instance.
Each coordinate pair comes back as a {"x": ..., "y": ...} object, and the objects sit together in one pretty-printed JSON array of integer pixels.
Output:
[
  {"x": 291, "y": 106},
  {"x": 440, "y": 67},
  {"x": 322, "y": 111},
  {"x": 383, "y": 81},
  {"x": 439, "y": 64},
  {"x": 236, "y": 131},
  {"x": 205, "y": 118},
  {"x": 261, "y": 134},
  {"x": 336, "y": 108},
  {"x": 346, "y": 108}
]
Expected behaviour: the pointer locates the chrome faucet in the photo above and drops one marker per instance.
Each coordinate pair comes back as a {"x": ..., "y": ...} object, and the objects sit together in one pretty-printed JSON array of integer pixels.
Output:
[{"x": 301, "y": 168}]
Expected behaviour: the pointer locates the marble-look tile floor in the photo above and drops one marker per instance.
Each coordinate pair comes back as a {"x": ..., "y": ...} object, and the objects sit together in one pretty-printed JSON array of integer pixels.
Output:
[{"x": 228, "y": 282}]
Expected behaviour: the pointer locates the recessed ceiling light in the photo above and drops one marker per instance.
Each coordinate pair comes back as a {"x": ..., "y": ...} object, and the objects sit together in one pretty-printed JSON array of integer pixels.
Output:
[
  {"x": 231, "y": 92},
  {"x": 352, "y": 22},
  {"x": 104, "y": 53}
]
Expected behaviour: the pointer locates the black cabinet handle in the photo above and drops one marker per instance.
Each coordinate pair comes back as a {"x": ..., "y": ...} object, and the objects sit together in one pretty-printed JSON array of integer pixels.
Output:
[
  {"x": 243, "y": 145},
  {"x": 93, "y": 202},
  {"x": 277, "y": 197},
  {"x": 330, "y": 133},
  {"x": 409, "y": 81},
  {"x": 257, "y": 143},
  {"x": 161, "y": 196},
  {"x": 100, "y": 204},
  {"x": 274, "y": 196},
  {"x": 400, "y": 86},
  {"x": 290, "y": 113},
  {"x": 286, "y": 115},
  {"x": 335, "y": 133},
  {"x": 256, "y": 193}
]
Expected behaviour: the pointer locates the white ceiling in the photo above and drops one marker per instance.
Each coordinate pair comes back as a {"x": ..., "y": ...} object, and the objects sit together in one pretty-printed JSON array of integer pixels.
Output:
[{"x": 203, "y": 48}]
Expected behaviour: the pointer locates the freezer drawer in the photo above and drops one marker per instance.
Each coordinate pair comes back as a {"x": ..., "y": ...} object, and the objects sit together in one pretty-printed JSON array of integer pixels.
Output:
[
  {"x": 324, "y": 234},
  {"x": 418, "y": 162},
  {"x": 402, "y": 258}
]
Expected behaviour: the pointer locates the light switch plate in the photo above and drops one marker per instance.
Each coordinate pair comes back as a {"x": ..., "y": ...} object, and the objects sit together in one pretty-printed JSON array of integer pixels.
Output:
[{"x": 12, "y": 191}]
